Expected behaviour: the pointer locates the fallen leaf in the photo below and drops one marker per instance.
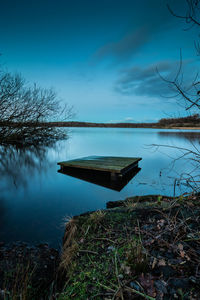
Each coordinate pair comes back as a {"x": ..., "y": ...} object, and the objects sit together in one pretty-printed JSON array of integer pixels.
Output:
[
  {"x": 161, "y": 263},
  {"x": 147, "y": 283},
  {"x": 180, "y": 247},
  {"x": 187, "y": 257},
  {"x": 161, "y": 222},
  {"x": 182, "y": 254},
  {"x": 126, "y": 269}
]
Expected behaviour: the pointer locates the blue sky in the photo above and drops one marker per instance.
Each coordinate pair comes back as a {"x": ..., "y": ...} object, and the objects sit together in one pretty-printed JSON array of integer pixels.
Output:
[{"x": 100, "y": 56}]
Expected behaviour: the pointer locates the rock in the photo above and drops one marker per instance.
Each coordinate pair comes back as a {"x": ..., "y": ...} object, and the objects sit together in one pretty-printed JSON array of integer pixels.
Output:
[
  {"x": 44, "y": 245},
  {"x": 174, "y": 261},
  {"x": 172, "y": 291},
  {"x": 112, "y": 204},
  {"x": 111, "y": 248},
  {"x": 193, "y": 279},
  {"x": 169, "y": 255},
  {"x": 148, "y": 227},
  {"x": 135, "y": 286},
  {"x": 161, "y": 286},
  {"x": 179, "y": 283},
  {"x": 167, "y": 271}
]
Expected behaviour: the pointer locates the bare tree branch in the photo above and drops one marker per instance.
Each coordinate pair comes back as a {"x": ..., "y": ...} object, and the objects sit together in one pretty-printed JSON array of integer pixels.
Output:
[
  {"x": 191, "y": 16},
  {"x": 190, "y": 93},
  {"x": 25, "y": 112}
]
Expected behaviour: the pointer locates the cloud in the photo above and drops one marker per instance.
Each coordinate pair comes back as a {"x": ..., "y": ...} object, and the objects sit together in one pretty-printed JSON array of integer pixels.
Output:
[
  {"x": 145, "y": 81},
  {"x": 125, "y": 120},
  {"x": 132, "y": 120},
  {"x": 125, "y": 47},
  {"x": 129, "y": 119}
]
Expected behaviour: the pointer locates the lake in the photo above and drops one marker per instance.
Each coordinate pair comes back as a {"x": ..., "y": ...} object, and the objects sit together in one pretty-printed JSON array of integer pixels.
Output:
[{"x": 36, "y": 200}]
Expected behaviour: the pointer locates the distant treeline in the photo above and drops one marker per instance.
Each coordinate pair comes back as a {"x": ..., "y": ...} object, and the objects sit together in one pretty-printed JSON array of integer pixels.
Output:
[
  {"x": 114, "y": 125},
  {"x": 190, "y": 121},
  {"x": 193, "y": 119}
]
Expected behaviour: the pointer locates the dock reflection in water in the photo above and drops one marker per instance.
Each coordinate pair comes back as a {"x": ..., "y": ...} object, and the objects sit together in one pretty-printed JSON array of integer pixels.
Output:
[{"x": 101, "y": 178}]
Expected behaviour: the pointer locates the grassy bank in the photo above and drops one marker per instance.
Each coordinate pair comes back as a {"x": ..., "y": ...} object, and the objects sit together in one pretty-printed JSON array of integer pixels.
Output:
[{"x": 148, "y": 248}]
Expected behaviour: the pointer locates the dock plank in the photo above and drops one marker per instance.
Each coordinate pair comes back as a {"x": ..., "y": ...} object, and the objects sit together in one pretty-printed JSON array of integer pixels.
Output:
[{"x": 103, "y": 163}]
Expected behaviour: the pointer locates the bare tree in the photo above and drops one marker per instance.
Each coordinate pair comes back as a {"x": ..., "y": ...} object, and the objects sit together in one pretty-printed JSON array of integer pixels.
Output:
[
  {"x": 25, "y": 112},
  {"x": 188, "y": 94}
]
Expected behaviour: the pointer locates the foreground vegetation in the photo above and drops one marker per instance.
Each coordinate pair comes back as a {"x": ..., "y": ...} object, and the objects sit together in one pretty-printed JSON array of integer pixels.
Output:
[
  {"x": 148, "y": 248},
  {"x": 145, "y": 248}
]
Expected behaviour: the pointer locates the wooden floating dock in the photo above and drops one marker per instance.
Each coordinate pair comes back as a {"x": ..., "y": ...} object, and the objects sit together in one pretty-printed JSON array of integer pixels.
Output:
[{"x": 116, "y": 166}]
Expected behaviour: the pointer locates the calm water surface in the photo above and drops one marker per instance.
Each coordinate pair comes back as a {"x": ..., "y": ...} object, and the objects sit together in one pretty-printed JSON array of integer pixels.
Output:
[{"x": 35, "y": 199}]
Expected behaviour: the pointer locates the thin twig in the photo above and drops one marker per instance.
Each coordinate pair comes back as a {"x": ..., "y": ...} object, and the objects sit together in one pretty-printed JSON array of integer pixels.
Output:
[
  {"x": 88, "y": 251},
  {"x": 139, "y": 293}
]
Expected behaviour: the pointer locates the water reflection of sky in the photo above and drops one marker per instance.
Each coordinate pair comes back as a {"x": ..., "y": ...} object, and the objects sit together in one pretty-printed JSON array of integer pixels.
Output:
[{"x": 35, "y": 198}]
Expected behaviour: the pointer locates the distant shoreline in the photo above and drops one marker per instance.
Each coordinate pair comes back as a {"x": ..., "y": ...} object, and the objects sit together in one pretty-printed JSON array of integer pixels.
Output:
[
  {"x": 158, "y": 125},
  {"x": 123, "y": 125}
]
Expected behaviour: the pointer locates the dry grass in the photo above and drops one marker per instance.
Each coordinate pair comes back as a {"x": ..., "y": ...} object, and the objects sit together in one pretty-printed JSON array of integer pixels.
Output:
[
  {"x": 70, "y": 247},
  {"x": 97, "y": 216},
  {"x": 21, "y": 283},
  {"x": 130, "y": 203}
]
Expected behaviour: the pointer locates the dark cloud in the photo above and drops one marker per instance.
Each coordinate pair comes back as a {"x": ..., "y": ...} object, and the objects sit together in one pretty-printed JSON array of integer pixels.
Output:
[
  {"x": 145, "y": 81},
  {"x": 126, "y": 46}
]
